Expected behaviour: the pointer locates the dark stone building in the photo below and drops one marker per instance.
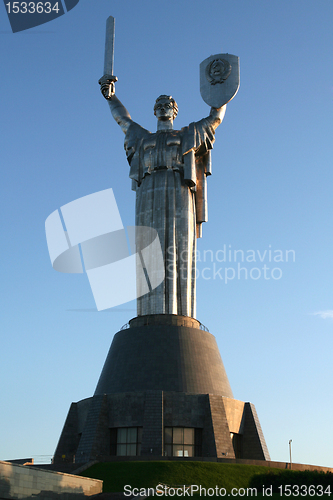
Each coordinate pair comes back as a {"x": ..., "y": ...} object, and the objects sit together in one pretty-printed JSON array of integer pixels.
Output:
[{"x": 163, "y": 392}]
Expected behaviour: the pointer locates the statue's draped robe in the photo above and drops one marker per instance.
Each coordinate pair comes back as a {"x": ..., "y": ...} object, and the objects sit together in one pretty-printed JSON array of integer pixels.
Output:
[{"x": 168, "y": 171}]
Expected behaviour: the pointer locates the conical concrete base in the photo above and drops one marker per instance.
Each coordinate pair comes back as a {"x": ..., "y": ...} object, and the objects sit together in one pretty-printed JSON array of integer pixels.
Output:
[
  {"x": 163, "y": 393},
  {"x": 164, "y": 353}
]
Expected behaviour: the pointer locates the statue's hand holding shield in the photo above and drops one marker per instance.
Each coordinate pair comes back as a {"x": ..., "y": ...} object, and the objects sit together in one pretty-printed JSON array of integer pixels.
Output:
[{"x": 219, "y": 79}]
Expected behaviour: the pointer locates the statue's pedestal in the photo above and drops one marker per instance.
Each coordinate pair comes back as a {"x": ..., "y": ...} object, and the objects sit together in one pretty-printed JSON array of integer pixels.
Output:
[
  {"x": 164, "y": 353},
  {"x": 163, "y": 392}
]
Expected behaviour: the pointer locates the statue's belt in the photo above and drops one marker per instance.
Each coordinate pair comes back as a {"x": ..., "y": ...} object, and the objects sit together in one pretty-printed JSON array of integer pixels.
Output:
[{"x": 179, "y": 168}]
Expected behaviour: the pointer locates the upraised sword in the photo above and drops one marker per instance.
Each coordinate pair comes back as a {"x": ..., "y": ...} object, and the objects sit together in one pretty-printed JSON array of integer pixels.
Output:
[{"x": 108, "y": 76}]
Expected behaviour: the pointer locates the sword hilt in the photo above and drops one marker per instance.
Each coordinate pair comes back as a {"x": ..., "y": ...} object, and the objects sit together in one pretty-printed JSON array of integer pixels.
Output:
[{"x": 107, "y": 81}]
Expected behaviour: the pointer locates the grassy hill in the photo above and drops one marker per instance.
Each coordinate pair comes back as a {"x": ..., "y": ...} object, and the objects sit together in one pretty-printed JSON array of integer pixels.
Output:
[{"x": 116, "y": 475}]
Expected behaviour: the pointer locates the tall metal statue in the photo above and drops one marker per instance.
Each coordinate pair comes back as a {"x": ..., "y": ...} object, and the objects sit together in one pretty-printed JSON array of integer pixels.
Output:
[
  {"x": 164, "y": 373},
  {"x": 168, "y": 169}
]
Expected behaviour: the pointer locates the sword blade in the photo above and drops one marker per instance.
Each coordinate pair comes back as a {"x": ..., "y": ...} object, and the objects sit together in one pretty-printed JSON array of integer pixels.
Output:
[{"x": 109, "y": 46}]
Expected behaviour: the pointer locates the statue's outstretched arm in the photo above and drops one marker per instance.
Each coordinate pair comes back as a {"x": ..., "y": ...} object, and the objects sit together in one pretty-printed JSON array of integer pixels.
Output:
[
  {"x": 118, "y": 110},
  {"x": 216, "y": 116},
  {"x": 120, "y": 113}
]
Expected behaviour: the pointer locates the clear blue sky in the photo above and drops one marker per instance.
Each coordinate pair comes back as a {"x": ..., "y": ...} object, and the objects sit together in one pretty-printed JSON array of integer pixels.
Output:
[{"x": 271, "y": 190}]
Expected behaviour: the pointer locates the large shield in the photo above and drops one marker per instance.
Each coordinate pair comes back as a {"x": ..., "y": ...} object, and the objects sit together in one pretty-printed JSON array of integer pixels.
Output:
[{"x": 219, "y": 79}]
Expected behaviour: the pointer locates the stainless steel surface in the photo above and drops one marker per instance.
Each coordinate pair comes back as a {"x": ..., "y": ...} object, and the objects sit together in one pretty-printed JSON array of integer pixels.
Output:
[
  {"x": 168, "y": 169},
  {"x": 108, "y": 79},
  {"x": 109, "y": 46},
  {"x": 219, "y": 79}
]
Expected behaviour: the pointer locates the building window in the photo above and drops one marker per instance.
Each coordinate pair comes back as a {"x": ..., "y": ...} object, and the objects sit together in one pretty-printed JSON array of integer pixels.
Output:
[
  {"x": 182, "y": 442},
  {"x": 125, "y": 441}
]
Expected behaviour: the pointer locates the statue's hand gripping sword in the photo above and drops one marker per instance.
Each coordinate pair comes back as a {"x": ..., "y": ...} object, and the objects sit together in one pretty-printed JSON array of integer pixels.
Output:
[{"x": 108, "y": 79}]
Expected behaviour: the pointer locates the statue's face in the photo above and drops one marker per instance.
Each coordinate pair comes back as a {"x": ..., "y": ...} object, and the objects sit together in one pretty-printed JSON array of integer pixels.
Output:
[{"x": 164, "y": 110}]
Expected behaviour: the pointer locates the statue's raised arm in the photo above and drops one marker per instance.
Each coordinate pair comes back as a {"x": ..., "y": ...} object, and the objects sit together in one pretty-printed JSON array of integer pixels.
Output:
[
  {"x": 216, "y": 116},
  {"x": 118, "y": 110}
]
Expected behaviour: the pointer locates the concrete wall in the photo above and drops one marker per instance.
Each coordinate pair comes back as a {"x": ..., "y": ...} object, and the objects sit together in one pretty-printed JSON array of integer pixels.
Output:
[
  {"x": 220, "y": 427},
  {"x": 234, "y": 410},
  {"x": 18, "y": 482},
  {"x": 254, "y": 445}
]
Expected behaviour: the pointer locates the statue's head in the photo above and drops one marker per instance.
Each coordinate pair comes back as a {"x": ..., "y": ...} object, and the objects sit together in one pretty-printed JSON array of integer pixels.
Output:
[{"x": 165, "y": 108}]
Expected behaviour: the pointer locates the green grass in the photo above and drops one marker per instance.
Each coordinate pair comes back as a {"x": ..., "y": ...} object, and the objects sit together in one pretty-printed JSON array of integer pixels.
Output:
[{"x": 116, "y": 475}]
